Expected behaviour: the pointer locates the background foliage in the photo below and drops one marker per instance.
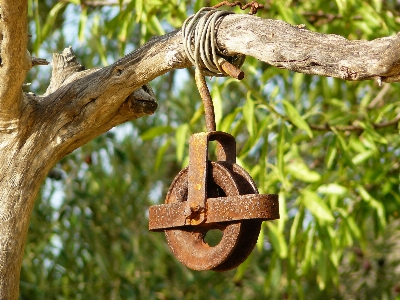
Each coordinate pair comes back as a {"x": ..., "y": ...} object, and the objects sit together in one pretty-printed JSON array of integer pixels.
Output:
[{"x": 313, "y": 140}]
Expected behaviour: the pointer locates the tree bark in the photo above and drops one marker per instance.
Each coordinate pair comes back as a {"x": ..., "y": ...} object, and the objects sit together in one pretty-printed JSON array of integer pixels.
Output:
[
  {"x": 298, "y": 49},
  {"x": 14, "y": 64},
  {"x": 79, "y": 104}
]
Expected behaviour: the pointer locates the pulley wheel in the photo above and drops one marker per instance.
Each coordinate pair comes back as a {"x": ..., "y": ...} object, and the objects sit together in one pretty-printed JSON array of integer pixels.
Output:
[{"x": 238, "y": 238}]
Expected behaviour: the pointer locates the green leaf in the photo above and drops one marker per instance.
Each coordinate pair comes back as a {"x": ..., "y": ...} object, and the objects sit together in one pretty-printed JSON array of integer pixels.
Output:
[
  {"x": 330, "y": 157},
  {"x": 156, "y": 25},
  {"x": 295, "y": 117},
  {"x": 217, "y": 101},
  {"x": 343, "y": 147},
  {"x": 370, "y": 131},
  {"x": 260, "y": 240},
  {"x": 228, "y": 120},
  {"x": 359, "y": 158},
  {"x": 198, "y": 114},
  {"x": 378, "y": 206},
  {"x": 317, "y": 206},
  {"x": 342, "y": 5},
  {"x": 50, "y": 19},
  {"x": 38, "y": 32},
  {"x": 101, "y": 50},
  {"x": 370, "y": 17},
  {"x": 274, "y": 93},
  {"x": 356, "y": 144},
  {"x": 295, "y": 226},
  {"x": 160, "y": 155},
  {"x": 332, "y": 189},
  {"x": 298, "y": 79},
  {"x": 300, "y": 171},
  {"x": 181, "y": 141},
  {"x": 241, "y": 270},
  {"x": 377, "y": 4},
  {"x": 308, "y": 253},
  {"x": 351, "y": 224},
  {"x": 322, "y": 269},
  {"x": 283, "y": 216},
  {"x": 153, "y": 132},
  {"x": 280, "y": 154},
  {"x": 285, "y": 12},
  {"x": 82, "y": 24},
  {"x": 248, "y": 114},
  {"x": 124, "y": 29},
  {"x": 139, "y": 10},
  {"x": 276, "y": 274},
  {"x": 277, "y": 240}
]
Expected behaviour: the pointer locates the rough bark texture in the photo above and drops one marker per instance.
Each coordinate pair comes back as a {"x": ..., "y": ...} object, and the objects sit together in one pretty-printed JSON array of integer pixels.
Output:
[
  {"x": 13, "y": 67},
  {"x": 298, "y": 49},
  {"x": 37, "y": 131}
]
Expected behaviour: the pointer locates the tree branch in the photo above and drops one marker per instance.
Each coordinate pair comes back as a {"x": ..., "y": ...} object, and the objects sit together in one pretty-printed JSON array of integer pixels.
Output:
[
  {"x": 327, "y": 127},
  {"x": 379, "y": 98},
  {"x": 84, "y": 103},
  {"x": 290, "y": 47},
  {"x": 14, "y": 58},
  {"x": 81, "y": 104},
  {"x": 39, "y": 61}
]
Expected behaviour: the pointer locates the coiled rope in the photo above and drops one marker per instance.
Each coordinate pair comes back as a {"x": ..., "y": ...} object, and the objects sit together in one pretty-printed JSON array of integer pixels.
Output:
[{"x": 200, "y": 43}]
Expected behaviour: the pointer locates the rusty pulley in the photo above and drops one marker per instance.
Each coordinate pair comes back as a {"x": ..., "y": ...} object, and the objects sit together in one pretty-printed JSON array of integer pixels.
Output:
[{"x": 212, "y": 195}]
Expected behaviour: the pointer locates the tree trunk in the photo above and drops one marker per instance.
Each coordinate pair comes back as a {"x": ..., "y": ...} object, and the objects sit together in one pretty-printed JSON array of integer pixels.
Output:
[
  {"x": 22, "y": 172},
  {"x": 48, "y": 129},
  {"x": 37, "y": 131}
]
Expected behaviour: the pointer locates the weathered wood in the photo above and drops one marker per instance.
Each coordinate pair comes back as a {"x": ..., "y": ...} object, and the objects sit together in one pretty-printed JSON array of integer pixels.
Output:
[
  {"x": 298, "y": 49},
  {"x": 14, "y": 57}
]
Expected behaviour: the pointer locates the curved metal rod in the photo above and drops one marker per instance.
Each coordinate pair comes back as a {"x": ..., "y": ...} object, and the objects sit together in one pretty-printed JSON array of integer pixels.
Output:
[{"x": 207, "y": 101}]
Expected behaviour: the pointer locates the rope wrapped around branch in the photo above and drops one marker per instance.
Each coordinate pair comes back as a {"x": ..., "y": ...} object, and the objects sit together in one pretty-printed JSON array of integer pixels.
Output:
[{"x": 200, "y": 44}]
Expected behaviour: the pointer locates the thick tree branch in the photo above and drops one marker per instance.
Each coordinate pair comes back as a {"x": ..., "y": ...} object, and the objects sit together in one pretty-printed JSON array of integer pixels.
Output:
[
  {"x": 327, "y": 127},
  {"x": 38, "y": 61},
  {"x": 290, "y": 47},
  {"x": 14, "y": 58},
  {"x": 81, "y": 104}
]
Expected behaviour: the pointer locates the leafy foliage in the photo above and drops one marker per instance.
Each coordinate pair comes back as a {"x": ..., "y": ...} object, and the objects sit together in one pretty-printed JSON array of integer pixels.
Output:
[{"x": 321, "y": 143}]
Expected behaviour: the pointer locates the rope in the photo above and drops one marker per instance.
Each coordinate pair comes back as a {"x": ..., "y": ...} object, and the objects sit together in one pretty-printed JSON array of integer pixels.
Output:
[{"x": 199, "y": 29}]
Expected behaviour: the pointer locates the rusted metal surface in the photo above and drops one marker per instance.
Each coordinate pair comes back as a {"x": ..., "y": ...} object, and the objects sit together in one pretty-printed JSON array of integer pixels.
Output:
[
  {"x": 187, "y": 243},
  {"x": 206, "y": 98},
  {"x": 221, "y": 209},
  {"x": 212, "y": 195},
  {"x": 230, "y": 69},
  {"x": 254, "y": 6},
  {"x": 198, "y": 167},
  {"x": 197, "y": 179}
]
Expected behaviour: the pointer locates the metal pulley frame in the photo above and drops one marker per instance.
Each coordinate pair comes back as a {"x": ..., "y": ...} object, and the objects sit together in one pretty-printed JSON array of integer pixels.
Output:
[{"x": 212, "y": 195}]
